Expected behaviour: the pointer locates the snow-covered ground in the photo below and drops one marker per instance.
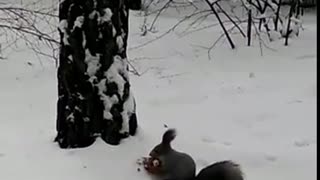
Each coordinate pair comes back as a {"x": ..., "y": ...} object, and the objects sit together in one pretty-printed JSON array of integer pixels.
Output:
[{"x": 259, "y": 111}]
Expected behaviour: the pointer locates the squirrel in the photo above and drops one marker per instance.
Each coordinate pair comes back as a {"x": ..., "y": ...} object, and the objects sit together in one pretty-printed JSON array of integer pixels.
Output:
[
  {"x": 168, "y": 164},
  {"x": 173, "y": 165}
]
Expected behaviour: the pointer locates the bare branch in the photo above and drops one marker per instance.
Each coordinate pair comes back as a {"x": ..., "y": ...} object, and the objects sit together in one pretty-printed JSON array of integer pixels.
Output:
[{"x": 33, "y": 24}]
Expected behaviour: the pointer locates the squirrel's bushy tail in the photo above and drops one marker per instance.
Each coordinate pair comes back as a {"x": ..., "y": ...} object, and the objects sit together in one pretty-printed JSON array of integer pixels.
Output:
[
  {"x": 223, "y": 170},
  {"x": 169, "y": 136},
  {"x": 233, "y": 169}
]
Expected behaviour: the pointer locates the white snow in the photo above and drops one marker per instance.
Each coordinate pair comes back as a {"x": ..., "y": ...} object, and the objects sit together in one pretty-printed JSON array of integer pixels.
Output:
[
  {"x": 93, "y": 14},
  {"x": 78, "y": 22},
  {"x": 295, "y": 25},
  {"x": 106, "y": 16},
  {"x": 273, "y": 5},
  {"x": 63, "y": 26},
  {"x": 259, "y": 111},
  {"x": 101, "y": 86},
  {"x": 261, "y": 16},
  {"x": 296, "y": 20},
  {"x": 114, "y": 73},
  {"x": 114, "y": 31},
  {"x": 93, "y": 63},
  {"x": 274, "y": 35},
  {"x": 71, "y": 117},
  {"x": 108, "y": 102},
  {"x": 120, "y": 43},
  {"x": 129, "y": 107}
]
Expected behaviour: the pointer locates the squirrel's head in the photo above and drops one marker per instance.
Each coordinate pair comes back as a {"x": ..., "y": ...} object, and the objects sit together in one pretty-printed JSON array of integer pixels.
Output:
[
  {"x": 165, "y": 146},
  {"x": 159, "y": 150}
]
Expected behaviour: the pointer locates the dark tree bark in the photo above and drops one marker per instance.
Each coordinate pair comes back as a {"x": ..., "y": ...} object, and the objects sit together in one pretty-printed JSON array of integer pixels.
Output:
[
  {"x": 249, "y": 24},
  {"x": 249, "y": 27},
  {"x": 289, "y": 23},
  {"x": 221, "y": 23},
  {"x": 277, "y": 16},
  {"x": 262, "y": 10},
  {"x": 95, "y": 98}
]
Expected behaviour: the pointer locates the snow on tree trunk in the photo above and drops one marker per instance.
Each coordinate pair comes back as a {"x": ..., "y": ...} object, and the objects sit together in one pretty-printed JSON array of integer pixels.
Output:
[{"x": 95, "y": 98}]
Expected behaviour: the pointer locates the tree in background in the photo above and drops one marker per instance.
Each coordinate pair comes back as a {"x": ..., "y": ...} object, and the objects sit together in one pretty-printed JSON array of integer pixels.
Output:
[
  {"x": 95, "y": 98},
  {"x": 268, "y": 20}
]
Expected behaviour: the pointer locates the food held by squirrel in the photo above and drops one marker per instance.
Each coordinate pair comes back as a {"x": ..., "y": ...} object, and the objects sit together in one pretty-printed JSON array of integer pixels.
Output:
[{"x": 152, "y": 165}]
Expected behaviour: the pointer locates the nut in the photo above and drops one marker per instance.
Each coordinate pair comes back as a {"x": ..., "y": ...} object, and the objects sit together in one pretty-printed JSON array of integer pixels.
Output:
[{"x": 155, "y": 163}]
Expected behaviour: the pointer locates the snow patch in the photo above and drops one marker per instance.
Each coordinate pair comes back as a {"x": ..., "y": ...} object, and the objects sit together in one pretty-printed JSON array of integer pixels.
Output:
[
  {"x": 108, "y": 102},
  {"x": 274, "y": 35},
  {"x": 102, "y": 86},
  {"x": 262, "y": 16},
  {"x": 114, "y": 74},
  {"x": 95, "y": 3},
  {"x": 295, "y": 25},
  {"x": 63, "y": 25},
  {"x": 107, "y": 15},
  {"x": 273, "y": 5},
  {"x": 70, "y": 118},
  {"x": 92, "y": 14},
  {"x": 128, "y": 110},
  {"x": 86, "y": 119},
  {"x": 78, "y": 22},
  {"x": 93, "y": 63},
  {"x": 70, "y": 57},
  {"x": 120, "y": 43},
  {"x": 114, "y": 31}
]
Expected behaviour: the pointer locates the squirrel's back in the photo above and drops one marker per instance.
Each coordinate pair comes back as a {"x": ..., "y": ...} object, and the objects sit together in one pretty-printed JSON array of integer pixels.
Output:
[{"x": 224, "y": 170}]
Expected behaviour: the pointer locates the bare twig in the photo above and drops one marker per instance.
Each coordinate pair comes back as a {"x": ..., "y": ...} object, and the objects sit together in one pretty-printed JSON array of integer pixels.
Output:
[
  {"x": 289, "y": 22},
  {"x": 221, "y": 23},
  {"x": 168, "y": 31},
  {"x": 233, "y": 22},
  {"x": 32, "y": 23}
]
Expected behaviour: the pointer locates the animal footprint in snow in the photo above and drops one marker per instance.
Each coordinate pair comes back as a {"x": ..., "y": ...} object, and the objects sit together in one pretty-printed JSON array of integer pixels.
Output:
[
  {"x": 252, "y": 75},
  {"x": 307, "y": 56},
  {"x": 227, "y": 143},
  {"x": 240, "y": 90},
  {"x": 302, "y": 143},
  {"x": 208, "y": 140},
  {"x": 270, "y": 158},
  {"x": 295, "y": 101},
  {"x": 265, "y": 116}
]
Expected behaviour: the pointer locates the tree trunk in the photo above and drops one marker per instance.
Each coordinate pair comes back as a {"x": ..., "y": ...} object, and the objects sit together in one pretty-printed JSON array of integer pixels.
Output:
[
  {"x": 289, "y": 22},
  {"x": 94, "y": 92},
  {"x": 249, "y": 27},
  {"x": 277, "y": 16}
]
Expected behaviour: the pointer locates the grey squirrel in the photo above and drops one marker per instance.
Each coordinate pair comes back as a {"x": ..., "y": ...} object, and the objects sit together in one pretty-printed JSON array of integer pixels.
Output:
[{"x": 175, "y": 165}]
